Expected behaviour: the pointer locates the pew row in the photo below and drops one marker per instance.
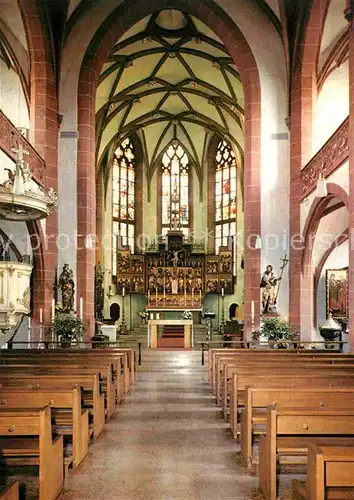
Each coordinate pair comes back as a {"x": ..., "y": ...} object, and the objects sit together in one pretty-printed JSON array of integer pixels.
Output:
[
  {"x": 69, "y": 419},
  {"x": 26, "y": 439},
  {"x": 290, "y": 432},
  {"x": 10, "y": 492},
  {"x": 75, "y": 369},
  {"x": 330, "y": 474},
  {"x": 92, "y": 391},
  {"x": 253, "y": 416}
]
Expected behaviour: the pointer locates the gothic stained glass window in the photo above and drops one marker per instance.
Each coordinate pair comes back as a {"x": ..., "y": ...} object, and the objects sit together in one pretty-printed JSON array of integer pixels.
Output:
[
  {"x": 225, "y": 195},
  {"x": 175, "y": 189},
  {"x": 123, "y": 191}
]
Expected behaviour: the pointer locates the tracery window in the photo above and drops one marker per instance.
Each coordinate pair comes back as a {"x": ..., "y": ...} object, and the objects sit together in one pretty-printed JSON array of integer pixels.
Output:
[
  {"x": 225, "y": 195},
  {"x": 175, "y": 189},
  {"x": 123, "y": 187}
]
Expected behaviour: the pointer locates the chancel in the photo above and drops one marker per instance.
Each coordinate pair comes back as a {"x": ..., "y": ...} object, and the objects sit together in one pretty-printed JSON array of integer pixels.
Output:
[{"x": 176, "y": 249}]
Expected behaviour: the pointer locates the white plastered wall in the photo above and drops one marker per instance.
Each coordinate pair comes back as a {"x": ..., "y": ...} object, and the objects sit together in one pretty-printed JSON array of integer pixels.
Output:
[{"x": 332, "y": 106}]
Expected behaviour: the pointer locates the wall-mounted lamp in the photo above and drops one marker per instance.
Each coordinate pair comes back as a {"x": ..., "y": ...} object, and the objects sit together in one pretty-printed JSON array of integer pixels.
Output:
[
  {"x": 321, "y": 189},
  {"x": 258, "y": 243}
]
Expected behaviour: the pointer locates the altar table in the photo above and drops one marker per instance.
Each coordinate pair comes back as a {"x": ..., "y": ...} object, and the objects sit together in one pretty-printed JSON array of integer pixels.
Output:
[{"x": 153, "y": 327}]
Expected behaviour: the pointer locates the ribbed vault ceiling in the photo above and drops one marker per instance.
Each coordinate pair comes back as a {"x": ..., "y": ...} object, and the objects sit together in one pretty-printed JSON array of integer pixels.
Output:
[{"x": 169, "y": 77}]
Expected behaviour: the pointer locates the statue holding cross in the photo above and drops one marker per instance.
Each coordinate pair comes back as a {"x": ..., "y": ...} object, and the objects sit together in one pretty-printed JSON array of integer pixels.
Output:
[{"x": 270, "y": 286}]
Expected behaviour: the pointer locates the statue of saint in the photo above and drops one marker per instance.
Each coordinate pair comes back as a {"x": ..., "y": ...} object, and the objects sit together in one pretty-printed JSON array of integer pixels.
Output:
[
  {"x": 99, "y": 292},
  {"x": 67, "y": 287},
  {"x": 269, "y": 293}
]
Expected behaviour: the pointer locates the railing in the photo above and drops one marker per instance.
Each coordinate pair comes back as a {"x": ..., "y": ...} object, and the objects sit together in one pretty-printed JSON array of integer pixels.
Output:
[
  {"x": 297, "y": 345},
  {"x": 50, "y": 344}
]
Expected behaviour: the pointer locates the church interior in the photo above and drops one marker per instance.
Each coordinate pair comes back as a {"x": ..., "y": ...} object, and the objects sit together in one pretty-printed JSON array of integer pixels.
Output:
[{"x": 176, "y": 282}]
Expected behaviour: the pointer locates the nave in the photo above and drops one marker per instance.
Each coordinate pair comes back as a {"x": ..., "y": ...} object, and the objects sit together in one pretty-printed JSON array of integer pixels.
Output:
[{"x": 167, "y": 441}]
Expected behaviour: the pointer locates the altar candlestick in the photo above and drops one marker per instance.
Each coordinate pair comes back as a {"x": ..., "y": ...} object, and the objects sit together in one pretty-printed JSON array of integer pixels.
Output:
[
  {"x": 40, "y": 316},
  {"x": 81, "y": 308}
]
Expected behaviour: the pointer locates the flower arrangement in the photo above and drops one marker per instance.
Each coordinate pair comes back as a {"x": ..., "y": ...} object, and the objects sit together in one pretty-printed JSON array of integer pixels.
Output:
[
  {"x": 187, "y": 315},
  {"x": 143, "y": 314}
]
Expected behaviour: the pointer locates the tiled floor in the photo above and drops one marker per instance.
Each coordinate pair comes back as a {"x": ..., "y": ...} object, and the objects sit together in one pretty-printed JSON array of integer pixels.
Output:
[{"x": 166, "y": 442}]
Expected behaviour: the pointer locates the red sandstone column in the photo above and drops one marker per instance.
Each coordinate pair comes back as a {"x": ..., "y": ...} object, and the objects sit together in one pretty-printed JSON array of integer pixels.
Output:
[
  {"x": 303, "y": 96},
  {"x": 349, "y": 14},
  {"x": 44, "y": 137}
]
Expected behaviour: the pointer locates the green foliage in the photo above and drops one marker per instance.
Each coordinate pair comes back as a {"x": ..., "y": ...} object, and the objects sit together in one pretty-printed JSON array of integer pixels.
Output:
[
  {"x": 275, "y": 329},
  {"x": 68, "y": 327}
]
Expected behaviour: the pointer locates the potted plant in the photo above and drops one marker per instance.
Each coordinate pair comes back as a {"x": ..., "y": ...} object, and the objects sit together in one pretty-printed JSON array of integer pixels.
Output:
[
  {"x": 275, "y": 330},
  {"x": 67, "y": 328}
]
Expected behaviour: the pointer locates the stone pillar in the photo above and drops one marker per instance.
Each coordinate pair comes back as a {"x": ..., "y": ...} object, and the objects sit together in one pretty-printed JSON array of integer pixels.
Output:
[
  {"x": 349, "y": 14},
  {"x": 44, "y": 137}
]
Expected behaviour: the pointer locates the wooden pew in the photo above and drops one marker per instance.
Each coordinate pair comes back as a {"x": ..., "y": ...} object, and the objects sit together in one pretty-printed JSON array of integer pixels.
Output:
[
  {"x": 258, "y": 399},
  {"x": 26, "y": 439},
  {"x": 93, "y": 397},
  {"x": 217, "y": 356},
  {"x": 308, "y": 366},
  {"x": 10, "y": 492},
  {"x": 40, "y": 368},
  {"x": 228, "y": 369},
  {"x": 286, "y": 380},
  {"x": 330, "y": 474},
  {"x": 68, "y": 417},
  {"x": 290, "y": 432},
  {"x": 124, "y": 361}
]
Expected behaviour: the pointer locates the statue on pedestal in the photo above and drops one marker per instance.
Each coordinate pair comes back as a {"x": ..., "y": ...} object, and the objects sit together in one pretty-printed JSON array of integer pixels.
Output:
[
  {"x": 67, "y": 287},
  {"x": 269, "y": 291}
]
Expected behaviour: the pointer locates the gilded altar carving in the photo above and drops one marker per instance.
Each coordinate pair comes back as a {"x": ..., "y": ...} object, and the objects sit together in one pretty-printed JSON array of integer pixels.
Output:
[{"x": 332, "y": 155}]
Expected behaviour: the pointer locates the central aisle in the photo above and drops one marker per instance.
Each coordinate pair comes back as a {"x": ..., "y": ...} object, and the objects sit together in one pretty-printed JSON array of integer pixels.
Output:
[{"x": 167, "y": 441}]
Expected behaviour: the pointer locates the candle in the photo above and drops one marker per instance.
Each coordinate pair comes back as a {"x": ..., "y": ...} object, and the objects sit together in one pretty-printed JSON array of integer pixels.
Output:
[
  {"x": 222, "y": 292},
  {"x": 252, "y": 311},
  {"x": 192, "y": 294},
  {"x": 123, "y": 291},
  {"x": 185, "y": 296},
  {"x": 29, "y": 322},
  {"x": 200, "y": 296},
  {"x": 53, "y": 309},
  {"x": 81, "y": 308},
  {"x": 41, "y": 316},
  {"x": 156, "y": 294},
  {"x": 149, "y": 295}
]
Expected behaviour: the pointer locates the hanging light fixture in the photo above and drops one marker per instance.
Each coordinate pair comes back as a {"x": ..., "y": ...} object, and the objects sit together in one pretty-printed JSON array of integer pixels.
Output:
[
  {"x": 258, "y": 243},
  {"x": 321, "y": 189}
]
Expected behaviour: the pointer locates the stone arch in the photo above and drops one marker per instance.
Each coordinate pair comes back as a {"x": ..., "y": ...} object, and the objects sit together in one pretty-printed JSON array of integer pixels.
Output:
[
  {"x": 114, "y": 26},
  {"x": 308, "y": 273}
]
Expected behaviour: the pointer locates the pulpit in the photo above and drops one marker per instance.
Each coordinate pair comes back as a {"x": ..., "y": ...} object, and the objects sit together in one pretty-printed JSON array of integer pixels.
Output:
[{"x": 184, "y": 326}]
